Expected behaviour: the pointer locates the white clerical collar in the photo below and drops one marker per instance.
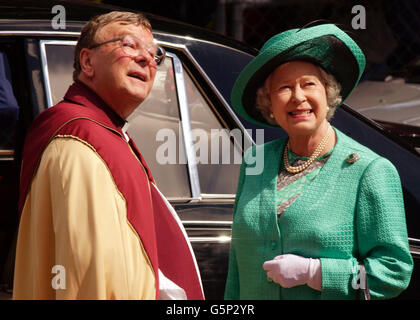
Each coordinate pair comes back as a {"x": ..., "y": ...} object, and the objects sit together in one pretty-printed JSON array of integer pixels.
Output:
[{"x": 124, "y": 131}]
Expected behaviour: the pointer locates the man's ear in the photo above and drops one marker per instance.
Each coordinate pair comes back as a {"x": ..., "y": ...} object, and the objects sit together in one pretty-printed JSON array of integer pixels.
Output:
[{"x": 86, "y": 63}]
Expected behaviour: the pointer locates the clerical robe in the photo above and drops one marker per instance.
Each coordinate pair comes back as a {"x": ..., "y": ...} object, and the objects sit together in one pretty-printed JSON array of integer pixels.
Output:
[{"x": 90, "y": 206}]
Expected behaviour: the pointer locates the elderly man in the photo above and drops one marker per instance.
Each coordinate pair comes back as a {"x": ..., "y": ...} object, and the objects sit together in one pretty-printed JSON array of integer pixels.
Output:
[{"x": 93, "y": 224}]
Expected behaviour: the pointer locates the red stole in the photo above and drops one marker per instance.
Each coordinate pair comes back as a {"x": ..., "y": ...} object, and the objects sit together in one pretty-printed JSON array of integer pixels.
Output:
[{"x": 84, "y": 115}]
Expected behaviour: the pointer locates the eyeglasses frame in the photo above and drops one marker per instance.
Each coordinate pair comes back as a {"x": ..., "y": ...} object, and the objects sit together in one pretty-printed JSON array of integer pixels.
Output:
[{"x": 157, "y": 58}]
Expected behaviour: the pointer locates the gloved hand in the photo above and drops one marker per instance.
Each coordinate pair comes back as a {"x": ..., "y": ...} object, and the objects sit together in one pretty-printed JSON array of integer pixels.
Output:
[{"x": 290, "y": 270}]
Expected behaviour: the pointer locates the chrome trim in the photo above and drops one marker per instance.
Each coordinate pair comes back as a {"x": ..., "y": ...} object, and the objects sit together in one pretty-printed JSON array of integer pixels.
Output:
[
  {"x": 415, "y": 241},
  {"x": 42, "y": 44},
  {"x": 7, "y": 155},
  {"x": 223, "y": 239},
  {"x": 198, "y": 40},
  {"x": 207, "y": 222},
  {"x": 217, "y": 200},
  {"x": 206, "y": 197},
  {"x": 7, "y": 152},
  {"x": 171, "y": 45},
  {"x": 179, "y": 200},
  {"x": 60, "y": 42},
  {"x": 44, "y": 68},
  {"x": 184, "y": 200},
  {"x": 38, "y": 33},
  {"x": 186, "y": 126},
  {"x": 415, "y": 254},
  {"x": 218, "y": 196},
  {"x": 414, "y": 247}
]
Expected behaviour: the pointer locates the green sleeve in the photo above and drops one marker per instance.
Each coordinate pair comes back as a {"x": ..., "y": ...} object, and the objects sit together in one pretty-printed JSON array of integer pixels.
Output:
[
  {"x": 337, "y": 276},
  {"x": 381, "y": 234},
  {"x": 382, "y": 231},
  {"x": 232, "y": 281}
]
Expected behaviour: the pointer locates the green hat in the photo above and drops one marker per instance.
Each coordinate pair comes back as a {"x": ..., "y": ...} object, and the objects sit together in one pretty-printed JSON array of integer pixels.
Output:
[{"x": 325, "y": 45}]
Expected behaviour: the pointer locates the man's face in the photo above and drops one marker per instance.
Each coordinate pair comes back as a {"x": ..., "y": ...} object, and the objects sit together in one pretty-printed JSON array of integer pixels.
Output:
[{"x": 120, "y": 80}]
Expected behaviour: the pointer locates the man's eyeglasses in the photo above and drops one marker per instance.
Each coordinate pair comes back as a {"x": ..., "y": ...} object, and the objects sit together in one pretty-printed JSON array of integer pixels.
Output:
[{"x": 133, "y": 46}]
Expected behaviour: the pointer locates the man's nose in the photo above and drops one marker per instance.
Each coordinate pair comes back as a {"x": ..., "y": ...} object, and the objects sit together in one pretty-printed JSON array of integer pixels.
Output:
[{"x": 143, "y": 57}]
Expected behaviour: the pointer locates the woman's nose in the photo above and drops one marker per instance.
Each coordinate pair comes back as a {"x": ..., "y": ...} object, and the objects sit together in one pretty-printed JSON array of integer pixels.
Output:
[{"x": 298, "y": 95}]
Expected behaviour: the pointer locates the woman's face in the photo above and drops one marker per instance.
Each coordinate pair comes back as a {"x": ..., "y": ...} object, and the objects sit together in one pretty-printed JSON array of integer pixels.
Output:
[{"x": 298, "y": 98}]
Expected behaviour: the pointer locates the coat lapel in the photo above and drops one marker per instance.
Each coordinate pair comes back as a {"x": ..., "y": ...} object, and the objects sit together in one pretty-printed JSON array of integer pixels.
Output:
[{"x": 272, "y": 158}]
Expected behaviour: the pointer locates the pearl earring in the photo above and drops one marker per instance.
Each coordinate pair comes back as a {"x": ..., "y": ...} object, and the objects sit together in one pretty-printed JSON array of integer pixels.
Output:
[{"x": 271, "y": 116}]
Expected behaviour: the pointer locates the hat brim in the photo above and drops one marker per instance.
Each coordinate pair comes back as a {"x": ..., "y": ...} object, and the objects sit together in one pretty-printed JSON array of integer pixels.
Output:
[{"x": 324, "y": 45}]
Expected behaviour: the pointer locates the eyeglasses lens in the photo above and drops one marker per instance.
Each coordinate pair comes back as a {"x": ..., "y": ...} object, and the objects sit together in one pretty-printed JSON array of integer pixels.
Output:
[
  {"x": 160, "y": 55},
  {"x": 133, "y": 46}
]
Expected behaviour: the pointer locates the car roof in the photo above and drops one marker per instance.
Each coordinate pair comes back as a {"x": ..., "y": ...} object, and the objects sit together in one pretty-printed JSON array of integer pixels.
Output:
[{"x": 22, "y": 15}]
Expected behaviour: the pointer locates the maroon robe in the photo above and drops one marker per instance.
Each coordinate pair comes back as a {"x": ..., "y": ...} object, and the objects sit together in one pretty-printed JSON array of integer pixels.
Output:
[{"x": 84, "y": 115}]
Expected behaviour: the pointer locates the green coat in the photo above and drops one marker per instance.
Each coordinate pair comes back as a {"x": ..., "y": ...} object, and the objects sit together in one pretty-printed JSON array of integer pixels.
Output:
[{"x": 350, "y": 213}]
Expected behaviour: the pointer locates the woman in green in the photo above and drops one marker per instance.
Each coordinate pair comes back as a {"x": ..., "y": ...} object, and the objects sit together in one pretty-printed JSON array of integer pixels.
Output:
[{"x": 325, "y": 218}]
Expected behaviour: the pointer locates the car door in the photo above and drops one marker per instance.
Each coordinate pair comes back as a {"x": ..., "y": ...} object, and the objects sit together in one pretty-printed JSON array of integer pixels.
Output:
[{"x": 14, "y": 99}]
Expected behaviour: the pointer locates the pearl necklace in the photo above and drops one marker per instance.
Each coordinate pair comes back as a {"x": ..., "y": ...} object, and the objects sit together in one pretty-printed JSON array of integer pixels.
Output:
[{"x": 311, "y": 159}]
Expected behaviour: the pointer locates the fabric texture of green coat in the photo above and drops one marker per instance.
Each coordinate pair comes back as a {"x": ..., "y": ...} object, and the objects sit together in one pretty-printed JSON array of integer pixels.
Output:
[{"x": 350, "y": 214}]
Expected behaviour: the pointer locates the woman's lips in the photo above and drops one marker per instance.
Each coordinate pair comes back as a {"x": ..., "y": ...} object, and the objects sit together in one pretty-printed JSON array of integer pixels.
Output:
[{"x": 300, "y": 114}]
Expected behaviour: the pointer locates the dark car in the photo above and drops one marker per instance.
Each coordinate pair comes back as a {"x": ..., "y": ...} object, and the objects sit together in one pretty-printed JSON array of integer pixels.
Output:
[{"x": 187, "y": 114}]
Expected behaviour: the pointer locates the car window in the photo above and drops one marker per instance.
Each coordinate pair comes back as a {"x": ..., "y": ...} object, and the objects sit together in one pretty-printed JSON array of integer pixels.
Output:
[
  {"x": 218, "y": 156},
  {"x": 57, "y": 59},
  {"x": 9, "y": 108},
  {"x": 155, "y": 127}
]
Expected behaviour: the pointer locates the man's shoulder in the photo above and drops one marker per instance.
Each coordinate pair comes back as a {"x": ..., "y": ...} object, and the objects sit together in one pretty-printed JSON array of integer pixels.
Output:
[
  {"x": 70, "y": 148},
  {"x": 64, "y": 110},
  {"x": 64, "y": 118}
]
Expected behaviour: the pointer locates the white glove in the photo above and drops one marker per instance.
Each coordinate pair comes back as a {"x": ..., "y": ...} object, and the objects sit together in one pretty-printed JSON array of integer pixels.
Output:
[
  {"x": 289, "y": 270},
  {"x": 168, "y": 290}
]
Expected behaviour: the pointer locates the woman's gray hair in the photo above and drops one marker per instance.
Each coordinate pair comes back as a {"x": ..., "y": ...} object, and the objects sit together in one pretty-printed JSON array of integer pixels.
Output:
[{"x": 332, "y": 88}]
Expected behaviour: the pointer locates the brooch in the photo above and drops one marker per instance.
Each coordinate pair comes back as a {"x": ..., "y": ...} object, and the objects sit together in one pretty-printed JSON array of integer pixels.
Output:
[{"x": 352, "y": 158}]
